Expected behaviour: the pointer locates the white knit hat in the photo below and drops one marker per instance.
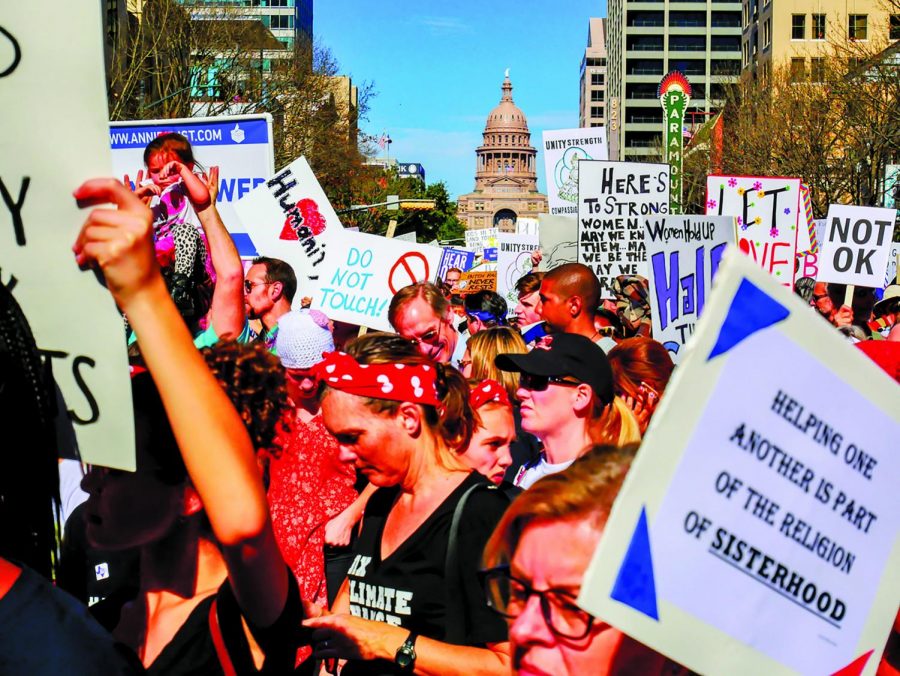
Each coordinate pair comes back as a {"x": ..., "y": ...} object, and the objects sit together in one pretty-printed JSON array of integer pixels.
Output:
[{"x": 300, "y": 340}]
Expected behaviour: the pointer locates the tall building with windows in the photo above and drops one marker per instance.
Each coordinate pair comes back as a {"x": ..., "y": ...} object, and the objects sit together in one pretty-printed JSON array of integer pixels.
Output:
[
  {"x": 804, "y": 33},
  {"x": 645, "y": 39},
  {"x": 505, "y": 171},
  {"x": 288, "y": 20},
  {"x": 592, "y": 90}
]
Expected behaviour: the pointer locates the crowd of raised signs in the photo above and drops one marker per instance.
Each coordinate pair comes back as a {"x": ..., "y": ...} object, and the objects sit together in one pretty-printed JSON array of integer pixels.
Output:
[{"x": 313, "y": 497}]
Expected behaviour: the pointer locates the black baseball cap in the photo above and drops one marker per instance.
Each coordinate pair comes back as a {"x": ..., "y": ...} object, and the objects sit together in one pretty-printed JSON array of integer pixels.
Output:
[{"x": 565, "y": 354}]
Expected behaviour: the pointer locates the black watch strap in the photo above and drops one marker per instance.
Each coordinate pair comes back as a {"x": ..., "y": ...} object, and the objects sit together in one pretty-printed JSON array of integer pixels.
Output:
[{"x": 405, "y": 657}]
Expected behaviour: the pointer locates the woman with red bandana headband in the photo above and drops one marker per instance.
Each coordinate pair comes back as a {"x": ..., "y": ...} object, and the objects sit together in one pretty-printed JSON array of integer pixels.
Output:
[
  {"x": 411, "y": 601},
  {"x": 488, "y": 452}
]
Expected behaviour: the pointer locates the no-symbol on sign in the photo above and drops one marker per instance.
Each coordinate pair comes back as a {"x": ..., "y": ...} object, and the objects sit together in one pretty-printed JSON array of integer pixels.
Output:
[{"x": 410, "y": 268}]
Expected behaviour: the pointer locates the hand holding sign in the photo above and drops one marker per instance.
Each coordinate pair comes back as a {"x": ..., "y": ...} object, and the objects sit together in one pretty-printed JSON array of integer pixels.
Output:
[{"x": 119, "y": 241}]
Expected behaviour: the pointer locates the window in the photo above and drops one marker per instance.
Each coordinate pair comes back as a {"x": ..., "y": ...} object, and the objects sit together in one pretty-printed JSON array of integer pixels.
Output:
[
  {"x": 596, "y": 111},
  {"x": 818, "y": 26},
  {"x": 767, "y": 33},
  {"x": 798, "y": 27},
  {"x": 894, "y": 27},
  {"x": 858, "y": 27},
  {"x": 597, "y": 79},
  {"x": 798, "y": 69},
  {"x": 596, "y": 95},
  {"x": 817, "y": 69},
  {"x": 282, "y": 21}
]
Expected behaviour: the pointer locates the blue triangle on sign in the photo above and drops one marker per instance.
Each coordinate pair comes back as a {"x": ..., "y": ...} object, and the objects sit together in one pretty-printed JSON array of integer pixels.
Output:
[
  {"x": 634, "y": 585},
  {"x": 752, "y": 310}
]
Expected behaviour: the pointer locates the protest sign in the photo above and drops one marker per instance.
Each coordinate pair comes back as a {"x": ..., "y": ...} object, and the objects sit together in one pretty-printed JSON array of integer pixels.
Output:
[
  {"x": 757, "y": 530},
  {"x": 684, "y": 254},
  {"x": 480, "y": 239},
  {"x": 289, "y": 217},
  {"x": 363, "y": 272},
  {"x": 527, "y": 226},
  {"x": 856, "y": 246},
  {"x": 559, "y": 240},
  {"x": 513, "y": 262},
  {"x": 809, "y": 260},
  {"x": 563, "y": 150},
  {"x": 890, "y": 273},
  {"x": 767, "y": 211},
  {"x": 54, "y": 138},
  {"x": 240, "y": 145},
  {"x": 473, "y": 282},
  {"x": 454, "y": 258},
  {"x": 614, "y": 198}
]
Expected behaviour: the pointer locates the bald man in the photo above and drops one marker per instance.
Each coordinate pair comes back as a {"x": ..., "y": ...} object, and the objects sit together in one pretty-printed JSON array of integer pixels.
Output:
[{"x": 570, "y": 296}]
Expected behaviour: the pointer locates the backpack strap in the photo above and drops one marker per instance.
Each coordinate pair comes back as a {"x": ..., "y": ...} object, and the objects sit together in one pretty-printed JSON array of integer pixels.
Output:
[
  {"x": 219, "y": 641},
  {"x": 456, "y": 627}
]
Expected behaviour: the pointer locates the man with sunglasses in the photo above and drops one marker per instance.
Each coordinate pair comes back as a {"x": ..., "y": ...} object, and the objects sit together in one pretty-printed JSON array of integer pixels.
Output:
[
  {"x": 269, "y": 288},
  {"x": 564, "y": 381}
]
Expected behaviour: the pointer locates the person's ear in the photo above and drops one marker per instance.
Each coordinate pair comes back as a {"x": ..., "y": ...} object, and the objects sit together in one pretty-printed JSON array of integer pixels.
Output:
[
  {"x": 582, "y": 399},
  {"x": 409, "y": 416},
  {"x": 276, "y": 289},
  {"x": 191, "y": 502},
  {"x": 576, "y": 305}
]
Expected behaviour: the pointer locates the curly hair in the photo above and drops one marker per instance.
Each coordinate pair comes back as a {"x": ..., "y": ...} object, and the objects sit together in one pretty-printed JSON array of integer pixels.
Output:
[{"x": 255, "y": 382}]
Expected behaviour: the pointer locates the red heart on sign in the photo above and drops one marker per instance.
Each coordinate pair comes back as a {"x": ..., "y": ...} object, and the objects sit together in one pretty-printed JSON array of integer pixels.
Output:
[{"x": 309, "y": 218}]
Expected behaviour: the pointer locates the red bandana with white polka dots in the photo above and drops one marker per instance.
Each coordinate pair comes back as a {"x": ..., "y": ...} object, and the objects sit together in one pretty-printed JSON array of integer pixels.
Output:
[
  {"x": 488, "y": 391},
  {"x": 397, "y": 382}
]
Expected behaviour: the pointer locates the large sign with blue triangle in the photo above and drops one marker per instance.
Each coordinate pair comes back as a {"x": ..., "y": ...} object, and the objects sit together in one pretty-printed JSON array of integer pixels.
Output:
[{"x": 757, "y": 531}]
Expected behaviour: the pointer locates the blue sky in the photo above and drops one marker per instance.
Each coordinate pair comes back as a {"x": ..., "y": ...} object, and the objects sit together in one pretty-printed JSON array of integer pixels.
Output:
[{"x": 420, "y": 55}]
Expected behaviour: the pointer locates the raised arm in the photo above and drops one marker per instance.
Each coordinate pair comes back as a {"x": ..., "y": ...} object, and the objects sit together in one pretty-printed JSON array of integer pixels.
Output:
[
  {"x": 216, "y": 447},
  {"x": 227, "y": 311}
]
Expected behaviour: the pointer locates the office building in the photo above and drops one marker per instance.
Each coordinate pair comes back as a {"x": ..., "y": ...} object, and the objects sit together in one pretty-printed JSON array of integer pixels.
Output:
[{"x": 592, "y": 89}]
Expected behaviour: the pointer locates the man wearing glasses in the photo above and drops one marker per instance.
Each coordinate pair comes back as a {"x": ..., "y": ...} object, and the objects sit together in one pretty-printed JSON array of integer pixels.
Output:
[
  {"x": 566, "y": 394},
  {"x": 421, "y": 313},
  {"x": 269, "y": 288},
  {"x": 536, "y": 562}
]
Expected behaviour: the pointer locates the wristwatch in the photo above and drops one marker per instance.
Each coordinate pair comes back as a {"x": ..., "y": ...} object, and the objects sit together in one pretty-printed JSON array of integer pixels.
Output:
[{"x": 405, "y": 657}]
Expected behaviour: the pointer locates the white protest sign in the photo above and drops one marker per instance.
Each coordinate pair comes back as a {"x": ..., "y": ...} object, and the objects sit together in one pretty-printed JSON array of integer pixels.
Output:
[
  {"x": 527, "y": 226},
  {"x": 563, "y": 150},
  {"x": 856, "y": 246},
  {"x": 757, "y": 530},
  {"x": 290, "y": 218},
  {"x": 559, "y": 240},
  {"x": 890, "y": 273},
  {"x": 363, "y": 272},
  {"x": 684, "y": 254},
  {"x": 614, "y": 198},
  {"x": 480, "y": 239},
  {"x": 809, "y": 260},
  {"x": 513, "y": 262},
  {"x": 767, "y": 210},
  {"x": 240, "y": 145},
  {"x": 54, "y": 138}
]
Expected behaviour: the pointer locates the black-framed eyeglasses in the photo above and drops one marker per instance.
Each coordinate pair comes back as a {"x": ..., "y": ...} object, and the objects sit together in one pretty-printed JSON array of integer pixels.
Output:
[
  {"x": 430, "y": 337},
  {"x": 508, "y": 596},
  {"x": 536, "y": 383},
  {"x": 248, "y": 285}
]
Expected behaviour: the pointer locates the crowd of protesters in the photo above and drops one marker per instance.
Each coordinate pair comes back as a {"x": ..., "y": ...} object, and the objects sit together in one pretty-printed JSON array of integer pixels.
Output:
[{"x": 306, "y": 499}]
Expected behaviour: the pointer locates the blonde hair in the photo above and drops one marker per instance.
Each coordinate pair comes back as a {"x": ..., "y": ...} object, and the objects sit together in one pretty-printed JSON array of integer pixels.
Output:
[
  {"x": 483, "y": 348},
  {"x": 613, "y": 424},
  {"x": 586, "y": 490}
]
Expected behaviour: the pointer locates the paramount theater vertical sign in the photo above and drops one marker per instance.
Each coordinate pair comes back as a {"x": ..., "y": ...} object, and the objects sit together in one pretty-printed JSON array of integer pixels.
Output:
[{"x": 674, "y": 94}]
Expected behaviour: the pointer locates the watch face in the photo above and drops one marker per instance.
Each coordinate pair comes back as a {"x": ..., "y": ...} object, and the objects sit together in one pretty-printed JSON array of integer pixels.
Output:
[{"x": 405, "y": 656}]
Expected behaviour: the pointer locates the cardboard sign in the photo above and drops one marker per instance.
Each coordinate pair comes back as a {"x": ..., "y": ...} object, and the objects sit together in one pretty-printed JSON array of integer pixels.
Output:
[
  {"x": 757, "y": 531},
  {"x": 480, "y": 239},
  {"x": 559, "y": 240},
  {"x": 240, "y": 145},
  {"x": 857, "y": 245},
  {"x": 363, "y": 272},
  {"x": 563, "y": 150},
  {"x": 48, "y": 68},
  {"x": 614, "y": 199},
  {"x": 454, "y": 258},
  {"x": 767, "y": 211},
  {"x": 684, "y": 254},
  {"x": 473, "y": 282},
  {"x": 513, "y": 262},
  {"x": 290, "y": 218}
]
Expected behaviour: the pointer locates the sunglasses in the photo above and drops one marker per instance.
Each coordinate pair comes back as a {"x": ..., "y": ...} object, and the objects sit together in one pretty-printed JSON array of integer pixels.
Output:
[
  {"x": 540, "y": 383},
  {"x": 248, "y": 285}
]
